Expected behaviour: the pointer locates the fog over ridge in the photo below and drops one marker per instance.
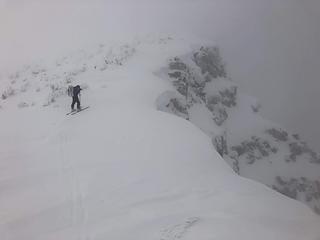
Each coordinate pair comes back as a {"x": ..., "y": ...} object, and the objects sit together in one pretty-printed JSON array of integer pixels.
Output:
[{"x": 271, "y": 47}]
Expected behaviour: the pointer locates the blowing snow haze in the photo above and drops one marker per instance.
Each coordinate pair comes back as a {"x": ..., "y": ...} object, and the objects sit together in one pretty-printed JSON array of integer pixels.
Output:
[
  {"x": 170, "y": 120},
  {"x": 271, "y": 47}
]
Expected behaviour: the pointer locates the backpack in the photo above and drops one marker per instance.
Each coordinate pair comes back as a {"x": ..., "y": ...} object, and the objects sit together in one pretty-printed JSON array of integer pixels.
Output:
[
  {"x": 70, "y": 91},
  {"x": 76, "y": 90}
]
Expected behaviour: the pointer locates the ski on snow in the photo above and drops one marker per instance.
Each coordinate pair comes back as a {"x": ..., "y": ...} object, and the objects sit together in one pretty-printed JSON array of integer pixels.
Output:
[{"x": 74, "y": 112}]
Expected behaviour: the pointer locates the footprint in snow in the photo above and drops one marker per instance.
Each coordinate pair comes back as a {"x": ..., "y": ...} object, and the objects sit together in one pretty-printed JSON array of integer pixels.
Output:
[{"x": 179, "y": 230}]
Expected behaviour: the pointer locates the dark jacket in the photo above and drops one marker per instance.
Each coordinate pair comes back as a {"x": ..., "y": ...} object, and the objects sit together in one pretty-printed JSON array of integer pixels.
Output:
[{"x": 76, "y": 90}]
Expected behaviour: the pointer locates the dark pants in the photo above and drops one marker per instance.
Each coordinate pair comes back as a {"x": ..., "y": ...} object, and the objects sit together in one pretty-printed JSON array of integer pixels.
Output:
[{"x": 75, "y": 99}]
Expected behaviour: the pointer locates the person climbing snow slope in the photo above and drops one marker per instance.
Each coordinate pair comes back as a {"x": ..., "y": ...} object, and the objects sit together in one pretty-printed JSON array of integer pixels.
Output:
[{"x": 74, "y": 92}]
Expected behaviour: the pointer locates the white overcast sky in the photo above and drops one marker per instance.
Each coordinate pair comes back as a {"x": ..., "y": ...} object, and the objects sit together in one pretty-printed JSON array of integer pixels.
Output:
[{"x": 272, "y": 47}]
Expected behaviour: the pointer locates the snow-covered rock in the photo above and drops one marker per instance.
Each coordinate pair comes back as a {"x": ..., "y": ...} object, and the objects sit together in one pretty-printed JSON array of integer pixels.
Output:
[{"x": 254, "y": 147}]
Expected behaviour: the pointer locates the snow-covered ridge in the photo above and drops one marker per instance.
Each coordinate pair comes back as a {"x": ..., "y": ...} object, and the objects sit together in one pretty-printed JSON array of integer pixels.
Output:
[
  {"x": 42, "y": 84},
  {"x": 122, "y": 169},
  {"x": 254, "y": 147}
]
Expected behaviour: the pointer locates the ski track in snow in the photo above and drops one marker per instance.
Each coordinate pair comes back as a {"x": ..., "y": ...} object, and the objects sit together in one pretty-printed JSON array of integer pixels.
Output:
[
  {"x": 179, "y": 230},
  {"x": 70, "y": 176}
]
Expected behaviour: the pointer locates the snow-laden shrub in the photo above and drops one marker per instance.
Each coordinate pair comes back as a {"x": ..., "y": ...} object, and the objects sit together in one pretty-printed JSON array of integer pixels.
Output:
[
  {"x": 254, "y": 149},
  {"x": 177, "y": 64},
  {"x": 220, "y": 144},
  {"x": 170, "y": 102},
  {"x": 219, "y": 113},
  {"x": 209, "y": 60},
  {"x": 219, "y": 103},
  {"x": 7, "y": 93},
  {"x": 296, "y": 136},
  {"x": 57, "y": 90},
  {"x": 38, "y": 70},
  {"x": 186, "y": 80},
  {"x": 301, "y": 148},
  {"x": 233, "y": 159},
  {"x": 23, "y": 105},
  {"x": 117, "y": 56},
  {"x": 179, "y": 73},
  {"x": 300, "y": 188},
  {"x": 207, "y": 85},
  {"x": 256, "y": 107},
  {"x": 278, "y": 134},
  {"x": 228, "y": 96}
]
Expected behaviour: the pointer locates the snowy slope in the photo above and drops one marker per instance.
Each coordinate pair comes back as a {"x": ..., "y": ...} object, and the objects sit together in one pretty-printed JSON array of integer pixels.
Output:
[{"x": 122, "y": 169}]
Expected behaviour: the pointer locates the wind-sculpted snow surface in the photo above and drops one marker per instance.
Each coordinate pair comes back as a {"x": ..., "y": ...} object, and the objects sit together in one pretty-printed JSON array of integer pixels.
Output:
[
  {"x": 254, "y": 147},
  {"x": 122, "y": 169}
]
